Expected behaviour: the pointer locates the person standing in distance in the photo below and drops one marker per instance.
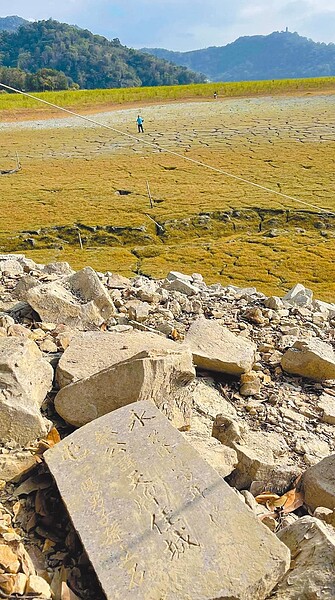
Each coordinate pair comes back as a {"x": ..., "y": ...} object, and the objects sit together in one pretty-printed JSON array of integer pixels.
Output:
[{"x": 139, "y": 122}]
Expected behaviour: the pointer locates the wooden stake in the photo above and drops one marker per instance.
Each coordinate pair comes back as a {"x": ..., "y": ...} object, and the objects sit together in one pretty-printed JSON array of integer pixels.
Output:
[
  {"x": 80, "y": 240},
  {"x": 18, "y": 164},
  {"x": 149, "y": 194}
]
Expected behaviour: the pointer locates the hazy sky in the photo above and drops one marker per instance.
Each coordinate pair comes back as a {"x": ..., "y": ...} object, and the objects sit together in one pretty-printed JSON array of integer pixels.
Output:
[{"x": 183, "y": 24}]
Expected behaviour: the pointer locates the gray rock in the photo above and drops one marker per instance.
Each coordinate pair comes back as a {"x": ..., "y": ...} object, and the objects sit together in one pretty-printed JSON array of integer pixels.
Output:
[
  {"x": 80, "y": 301},
  {"x": 24, "y": 284},
  {"x": 138, "y": 310},
  {"x": 312, "y": 446},
  {"x": 325, "y": 514},
  {"x": 207, "y": 403},
  {"x": 274, "y": 303},
  {"x": 260, "y": 455},
  {"x": 312, "y": 359},
  {"x": 22, "y": 310},
  {"x": 148, "y": 294},
  {"x": 327, "y": 405},
  {"x": 159, "y": 376},
  {"x": 299, "y": 296},
  {"x": 91, "y": 352},
  {"x": 318, "y": 484},
  {"x": 14, "y": 465},
  {"x": 10, "y": 267},
  {"x": 198, "y": 278},
  {"x": 324, "y": 307},
  {"x": 30, "y": 266},
  {"x": 117, "y": 282},
  {"x": 175, "y": 275},
  {"x": 222, "y": 458},
  {"x": 215, "y": 348},
  {"x": 25, "y": 379},
  {"x": 6, "y": 321},
  {"x": 182, "y": 286},
  {"x": 5, "y": 257},
  {"x": 155, "y": 519},
  {"x": 88, "y": 287},
  {"x": 247, "y": 293},
  {"x": 59, "y": 268},
  {"x": 312, "y": 546}
]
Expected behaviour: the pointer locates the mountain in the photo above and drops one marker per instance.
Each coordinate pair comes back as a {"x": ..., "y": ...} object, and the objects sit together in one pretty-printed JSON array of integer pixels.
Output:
[
  {"x": 279, "y": 55},
  {"x": 11, "y": 23},
  {"x": 90, "y": 61}
]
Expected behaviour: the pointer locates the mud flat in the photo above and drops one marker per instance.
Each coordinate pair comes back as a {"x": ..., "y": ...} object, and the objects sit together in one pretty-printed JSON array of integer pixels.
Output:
[{"x": 81, "y": 183}]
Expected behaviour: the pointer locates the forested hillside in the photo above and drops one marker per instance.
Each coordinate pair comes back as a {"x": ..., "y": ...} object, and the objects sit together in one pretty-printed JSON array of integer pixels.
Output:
[
  {"x": 279, "y": 55},
  {"x": 11, "y": 23},
  {"x": 89, "y": 61}
]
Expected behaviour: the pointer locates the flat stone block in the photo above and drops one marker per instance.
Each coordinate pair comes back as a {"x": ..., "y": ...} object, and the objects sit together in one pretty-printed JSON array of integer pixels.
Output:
[
  {"x": 156, "y": 521},
  {"x": 93, "y": 351},
  {"x": 216, "y": 348}
]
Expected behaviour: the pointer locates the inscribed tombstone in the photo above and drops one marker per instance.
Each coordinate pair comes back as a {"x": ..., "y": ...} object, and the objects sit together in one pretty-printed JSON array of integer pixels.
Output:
[{"x": 157, "y": 522}]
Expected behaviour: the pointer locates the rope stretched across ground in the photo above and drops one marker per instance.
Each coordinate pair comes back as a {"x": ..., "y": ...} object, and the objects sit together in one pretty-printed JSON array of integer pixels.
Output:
[{"x": 159, "y": 147}]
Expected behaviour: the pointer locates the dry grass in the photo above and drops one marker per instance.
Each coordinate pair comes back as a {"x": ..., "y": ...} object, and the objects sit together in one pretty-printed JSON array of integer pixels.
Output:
[
  {"x": 72, "y": 175},
  {"x": 123, "y": 96}
]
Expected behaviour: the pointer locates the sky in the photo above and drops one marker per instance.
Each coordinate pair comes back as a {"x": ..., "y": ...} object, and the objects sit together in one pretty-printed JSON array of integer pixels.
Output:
[{"x": 183, "y": 24}]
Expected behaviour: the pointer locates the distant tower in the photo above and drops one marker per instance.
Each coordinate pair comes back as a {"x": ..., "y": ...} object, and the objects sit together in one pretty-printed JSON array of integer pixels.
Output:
[{"x": 286, "y": 30}]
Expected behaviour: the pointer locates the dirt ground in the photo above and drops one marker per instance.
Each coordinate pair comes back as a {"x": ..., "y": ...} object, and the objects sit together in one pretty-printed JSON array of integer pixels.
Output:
[{"x": 74, "y": 171}]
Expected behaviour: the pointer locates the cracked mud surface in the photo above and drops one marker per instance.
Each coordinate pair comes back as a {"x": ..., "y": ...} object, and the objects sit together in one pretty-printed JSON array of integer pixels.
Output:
[{"x": 77, "y": 173}]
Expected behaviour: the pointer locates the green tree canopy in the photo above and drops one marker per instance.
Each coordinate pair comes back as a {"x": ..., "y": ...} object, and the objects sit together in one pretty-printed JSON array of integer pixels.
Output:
[{"x": 91, "y": 61}]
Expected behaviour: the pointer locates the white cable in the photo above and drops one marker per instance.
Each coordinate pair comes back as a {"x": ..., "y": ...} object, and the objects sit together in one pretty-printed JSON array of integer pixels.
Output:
[{"x": 156, "y": 145}]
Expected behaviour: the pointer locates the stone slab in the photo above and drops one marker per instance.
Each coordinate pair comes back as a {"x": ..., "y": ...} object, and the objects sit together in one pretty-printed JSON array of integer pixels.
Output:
[
  {"x": 25, "y": 379},
  {"x": 160, "y": 376},
  {"x": 318, "y": 484},
  {"x": 312, "y": 545},
  {"x": 313, "y": 359},
  {"x": 216, "y": 348},
  {"x": 93, "y": 351},
  {"x": 156, "y": 521}
]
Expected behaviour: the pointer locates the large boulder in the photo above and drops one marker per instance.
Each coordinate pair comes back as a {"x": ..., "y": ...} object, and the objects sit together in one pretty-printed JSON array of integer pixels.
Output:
[
  {"x": 216, "y": 348},
  {"x": 318, "y": 484},
  {"x": 25, "y": 379},
  {"x": 312, "y": 359},
  {"x": 155, "y": 519},
  {"x": 312, "y": 546},
  {"x": 93, "y": 351},
  {"x": 159, "y": 376},
  {"x": 80, "y": 301}
]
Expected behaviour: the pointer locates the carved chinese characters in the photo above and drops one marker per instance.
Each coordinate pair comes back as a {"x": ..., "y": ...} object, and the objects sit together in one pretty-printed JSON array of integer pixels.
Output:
[{"x": 157, "y": 521}]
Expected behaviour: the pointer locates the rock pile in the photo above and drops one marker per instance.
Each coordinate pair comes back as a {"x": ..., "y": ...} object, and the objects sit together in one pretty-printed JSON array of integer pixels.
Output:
[{"x": 248, "y": 380}]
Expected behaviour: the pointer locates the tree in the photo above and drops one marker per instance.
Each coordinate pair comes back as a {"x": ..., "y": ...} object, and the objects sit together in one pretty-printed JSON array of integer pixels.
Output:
[
  {"x": 48, "y": 80},
  {"x": 91, "y": 61}
]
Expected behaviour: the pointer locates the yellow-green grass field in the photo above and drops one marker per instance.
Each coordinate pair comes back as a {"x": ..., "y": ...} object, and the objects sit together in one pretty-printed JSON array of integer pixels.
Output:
[
  {"x": 85, "y": 182},
  {"x": 90, "y": 99}
]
